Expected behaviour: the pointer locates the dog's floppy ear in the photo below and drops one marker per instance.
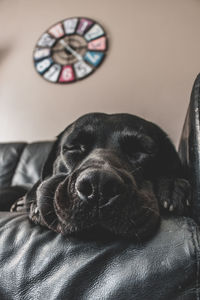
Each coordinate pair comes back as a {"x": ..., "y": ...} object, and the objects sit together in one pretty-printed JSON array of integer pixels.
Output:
[
  {"x": 47, "y": 169},
  {"x": 48, "y": 166}
]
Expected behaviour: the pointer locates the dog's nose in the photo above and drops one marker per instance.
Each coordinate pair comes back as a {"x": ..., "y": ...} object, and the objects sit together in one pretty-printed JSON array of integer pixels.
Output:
[{"x": 100, "y": 185}]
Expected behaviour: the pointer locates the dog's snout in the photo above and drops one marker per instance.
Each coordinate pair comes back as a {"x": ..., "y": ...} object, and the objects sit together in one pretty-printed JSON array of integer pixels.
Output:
[{"x": 100, "y": 185}]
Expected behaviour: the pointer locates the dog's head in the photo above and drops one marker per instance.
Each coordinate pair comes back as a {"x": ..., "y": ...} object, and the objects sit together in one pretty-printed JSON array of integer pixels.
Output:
[{"x": 100, "y": 173}]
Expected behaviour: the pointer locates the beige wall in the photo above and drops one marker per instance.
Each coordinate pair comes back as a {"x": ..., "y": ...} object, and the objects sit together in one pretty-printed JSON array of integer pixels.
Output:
[{"x": 153, "y": 59}]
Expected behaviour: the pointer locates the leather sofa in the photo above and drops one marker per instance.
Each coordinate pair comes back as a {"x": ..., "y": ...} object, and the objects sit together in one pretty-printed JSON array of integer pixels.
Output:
[{"x": 36, "y": 263}]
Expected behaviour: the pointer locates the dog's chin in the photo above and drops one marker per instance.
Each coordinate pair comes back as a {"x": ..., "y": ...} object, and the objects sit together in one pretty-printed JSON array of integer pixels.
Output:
[{"x": 133, "y": 215}]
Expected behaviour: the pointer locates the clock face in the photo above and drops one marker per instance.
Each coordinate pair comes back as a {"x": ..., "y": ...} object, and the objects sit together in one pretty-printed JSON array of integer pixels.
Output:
[{"x": 70, "y": 50}]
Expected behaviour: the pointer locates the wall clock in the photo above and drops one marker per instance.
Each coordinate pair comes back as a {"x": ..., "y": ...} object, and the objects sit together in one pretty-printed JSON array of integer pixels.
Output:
[{"x": 70, "y": 50}]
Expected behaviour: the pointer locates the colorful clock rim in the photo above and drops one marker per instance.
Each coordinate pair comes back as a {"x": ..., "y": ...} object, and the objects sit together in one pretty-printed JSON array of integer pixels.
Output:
[{"x": 94, "y": 68}]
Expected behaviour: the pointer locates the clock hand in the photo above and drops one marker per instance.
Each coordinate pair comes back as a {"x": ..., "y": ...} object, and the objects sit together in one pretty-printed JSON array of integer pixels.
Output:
[
  {"x": 67, "y": 47},
  {"x": 58, "y": 50},
  {"x": 77, "y": 48}
]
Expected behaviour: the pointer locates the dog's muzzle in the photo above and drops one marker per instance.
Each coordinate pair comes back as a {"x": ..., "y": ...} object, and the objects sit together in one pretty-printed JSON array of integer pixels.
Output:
[
  {"x": 100, "y": 186},
  {"x": 100, "y": 196}
]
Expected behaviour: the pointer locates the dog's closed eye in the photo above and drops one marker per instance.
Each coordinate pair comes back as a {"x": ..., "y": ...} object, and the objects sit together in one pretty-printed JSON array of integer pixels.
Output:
[
  {"x": 79, "y": 143},
  {"x": 74, "y": 148},
  {"x": 134, "y": 145}
]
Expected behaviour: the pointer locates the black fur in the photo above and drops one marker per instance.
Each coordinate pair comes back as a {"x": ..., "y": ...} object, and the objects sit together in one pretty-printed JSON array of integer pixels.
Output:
[{"x": 139, "y": 156}]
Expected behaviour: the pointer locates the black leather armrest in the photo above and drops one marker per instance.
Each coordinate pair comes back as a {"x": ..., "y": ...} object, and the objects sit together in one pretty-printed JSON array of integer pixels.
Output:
[
  {"x": 36, "y": 263},
  {"x": 189, "y": 148}
]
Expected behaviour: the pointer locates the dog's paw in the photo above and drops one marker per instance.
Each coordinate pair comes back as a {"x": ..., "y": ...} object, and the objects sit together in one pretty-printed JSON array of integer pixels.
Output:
[
  {"x": 174, "y": 196},
  {"x": 19, "y": 205},
  {"x": 34, "y": 214}
]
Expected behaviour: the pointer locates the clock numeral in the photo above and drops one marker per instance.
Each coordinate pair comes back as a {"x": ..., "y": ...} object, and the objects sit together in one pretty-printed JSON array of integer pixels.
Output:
[
  {"x": 57, "y": 30},
  {"x": 43, "y": 65},
  {"x": 67, "y": 74},
  {"x": 84, "y": 24},
  {"x": 82, "y": 69},
  {"x": 46, "y": 41},
  {"x": 94, "y": 58},
  {"x": 70, "y": 25},
  {"x": 94, "y": 32},
  {"x": 41, "y": 53},
  {"x": 53, "y": 73},
  {"x": 99, "y": 44}
]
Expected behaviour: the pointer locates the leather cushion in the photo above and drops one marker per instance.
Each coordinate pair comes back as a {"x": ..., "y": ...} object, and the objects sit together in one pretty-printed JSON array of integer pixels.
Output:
[
  {"x": 9, "y": 156},
  {"x": 29, "y": 168},
  {"x": 37, "y": 263}
]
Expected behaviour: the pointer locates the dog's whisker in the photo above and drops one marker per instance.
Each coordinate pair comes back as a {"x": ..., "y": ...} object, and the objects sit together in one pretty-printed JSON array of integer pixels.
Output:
[
  {"x": 135, "y": 170},
  {"x": 135, "y": 231},
  {"x": 48, "y": 197},
  {"x": 47, "y": 203},
  {"x": 50, "y": 212},
  {"x": 52, "y": 223},
  {"x": 152, "y": 210},
  {"x": 31, "y": 201}
]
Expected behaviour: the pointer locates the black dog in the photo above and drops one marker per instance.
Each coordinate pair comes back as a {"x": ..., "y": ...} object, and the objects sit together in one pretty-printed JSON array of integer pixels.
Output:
[{"x": 117, "y": 172}]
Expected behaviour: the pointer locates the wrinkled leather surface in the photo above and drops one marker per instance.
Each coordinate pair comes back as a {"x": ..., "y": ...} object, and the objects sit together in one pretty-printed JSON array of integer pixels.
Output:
[
  {"x": 189, "y": 148},
  {"x": 36, "y": 263},
  {"x": 9, "y": 157}
]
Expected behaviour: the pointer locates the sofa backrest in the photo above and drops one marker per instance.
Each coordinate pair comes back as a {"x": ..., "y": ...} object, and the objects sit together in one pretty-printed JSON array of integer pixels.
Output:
[{"x": 21, "y": 163}]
